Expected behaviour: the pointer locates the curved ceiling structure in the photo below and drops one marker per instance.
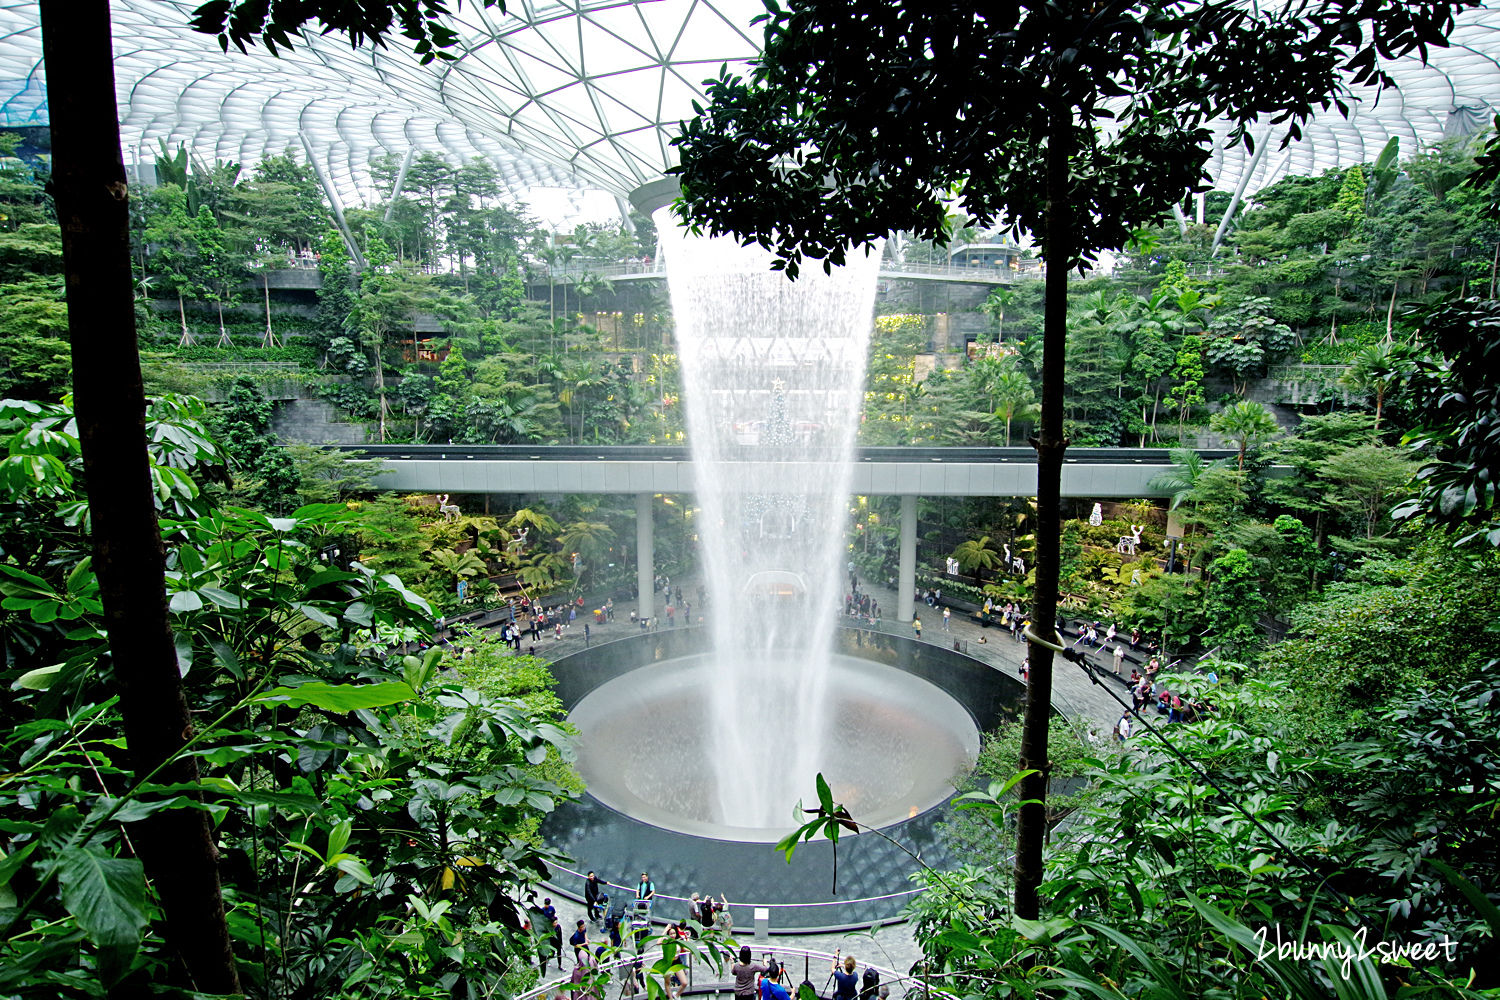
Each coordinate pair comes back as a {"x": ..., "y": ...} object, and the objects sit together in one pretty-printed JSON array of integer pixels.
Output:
[
  {"x": 584, "y": 94},
  {"x": 1456, "y": 93}
]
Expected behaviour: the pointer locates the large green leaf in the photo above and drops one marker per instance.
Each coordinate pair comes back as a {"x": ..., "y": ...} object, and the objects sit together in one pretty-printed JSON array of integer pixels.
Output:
[
  {"x": 39, "y": 679},
  {"x": 185, "y": 600},
  {"x": 9, "y": 865},
  {"x": 223, "y": 598},
  {"x": 341, "y": 697},
  {"x": 106, "y": 895}
]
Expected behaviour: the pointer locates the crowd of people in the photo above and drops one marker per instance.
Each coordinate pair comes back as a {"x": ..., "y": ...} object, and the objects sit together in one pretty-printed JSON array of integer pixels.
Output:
[
  {"x": 629, "y": 919},
  {"x": 860, "y": 605}
]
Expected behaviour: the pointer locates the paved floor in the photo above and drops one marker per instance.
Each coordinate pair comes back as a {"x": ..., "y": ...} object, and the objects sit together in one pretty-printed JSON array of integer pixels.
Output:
[
  {"x": 892, "y": 946},
  {"x": 1073, "y": 692}
]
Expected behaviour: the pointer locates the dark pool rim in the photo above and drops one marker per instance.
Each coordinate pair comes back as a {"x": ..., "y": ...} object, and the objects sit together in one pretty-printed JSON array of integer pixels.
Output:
[{"x": 587, "y": 827}]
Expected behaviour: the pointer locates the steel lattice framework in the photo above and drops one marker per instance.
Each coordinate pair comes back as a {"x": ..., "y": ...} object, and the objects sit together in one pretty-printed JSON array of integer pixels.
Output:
[{"x": 586, "y": 94}]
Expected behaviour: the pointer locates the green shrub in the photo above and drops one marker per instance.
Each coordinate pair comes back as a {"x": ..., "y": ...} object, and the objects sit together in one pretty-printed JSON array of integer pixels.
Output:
[
  {"x": 244, "y": 348},
  {"x": 501, "y": 674},
  {"x": 1351, "y": 338}
]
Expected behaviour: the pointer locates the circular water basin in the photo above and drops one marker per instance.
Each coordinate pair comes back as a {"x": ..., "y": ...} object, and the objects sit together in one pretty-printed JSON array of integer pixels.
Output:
[{"x": 652, "y": 746}]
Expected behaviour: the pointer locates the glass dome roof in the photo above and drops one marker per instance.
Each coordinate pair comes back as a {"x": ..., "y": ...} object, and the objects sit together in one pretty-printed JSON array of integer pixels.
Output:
[{"x": 583, "y": 94}]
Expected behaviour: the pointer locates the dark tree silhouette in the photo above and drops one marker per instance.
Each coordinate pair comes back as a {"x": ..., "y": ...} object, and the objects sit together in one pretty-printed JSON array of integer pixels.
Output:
[
  {"x": 1077, "y": 121},
  {"x": 176, "y": 846}
]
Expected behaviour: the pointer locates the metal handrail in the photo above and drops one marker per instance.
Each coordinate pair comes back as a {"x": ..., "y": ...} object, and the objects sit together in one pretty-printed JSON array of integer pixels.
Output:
[
  {"x": 1284, "y": 372},
  {"x": 630, "y": 889},
  {"x": 288, "y": 264},
  {"x": 763, "y": 951},
  {"x": 248, "y": 366},
  {"x": 961, "y": 270},
  {"x": 887, "y": 268}
]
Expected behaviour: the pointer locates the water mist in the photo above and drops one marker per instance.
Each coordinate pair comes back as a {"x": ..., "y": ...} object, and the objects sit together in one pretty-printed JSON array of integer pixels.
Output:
[{"x": 773, "y": 378}]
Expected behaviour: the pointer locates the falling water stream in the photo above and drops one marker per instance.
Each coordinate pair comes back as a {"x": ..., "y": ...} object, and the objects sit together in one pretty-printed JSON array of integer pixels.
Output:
[{"x": 773, "y": 375}]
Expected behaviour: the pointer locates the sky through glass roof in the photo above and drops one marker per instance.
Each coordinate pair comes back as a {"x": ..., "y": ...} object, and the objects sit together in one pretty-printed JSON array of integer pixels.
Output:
[{"x": 584, "y": 95}]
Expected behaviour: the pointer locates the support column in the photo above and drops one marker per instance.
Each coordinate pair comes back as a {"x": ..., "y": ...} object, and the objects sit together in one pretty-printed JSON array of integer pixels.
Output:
[
  {"x": 1239, "y": 191},
  {"x": 335, "y": 205},
  {"x": 906, "y": 578},
  {"x": 390, "y": 208},
  {"x": 1182, "y": 222},
  {"x": 645, "y": 556}
]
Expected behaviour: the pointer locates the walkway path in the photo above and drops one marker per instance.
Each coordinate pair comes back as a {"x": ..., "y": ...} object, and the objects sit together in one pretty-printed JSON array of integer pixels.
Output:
[{"x": 1073, "y": 692}]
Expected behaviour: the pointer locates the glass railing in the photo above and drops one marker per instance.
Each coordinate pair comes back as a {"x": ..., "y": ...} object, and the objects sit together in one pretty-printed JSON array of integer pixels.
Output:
[{"x": 801, "y": 965}]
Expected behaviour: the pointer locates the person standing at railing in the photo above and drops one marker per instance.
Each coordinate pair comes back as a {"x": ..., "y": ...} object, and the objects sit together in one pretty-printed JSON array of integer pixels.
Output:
[
  {"x": 723, "y": 920},
  {"x": 770, "y": 984},
  {"x": 594, "y": 896},
  {"x": 845, "y": 982},
  {"x": 745, "y": 972}
]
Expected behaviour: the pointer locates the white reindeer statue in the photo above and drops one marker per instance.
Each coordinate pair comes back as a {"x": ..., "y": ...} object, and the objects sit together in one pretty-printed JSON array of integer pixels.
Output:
[
  {"x": 449, "y": 511},
  {"x": 1129, "y": 544},
  {"x": 517, "y": 545}
]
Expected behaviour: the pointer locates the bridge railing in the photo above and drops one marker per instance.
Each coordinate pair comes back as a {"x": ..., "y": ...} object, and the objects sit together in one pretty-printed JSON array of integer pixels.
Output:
[
  {"x": 961, "y": 272},
  {"x": 681, "y": 453},
  {"x": 801, "y": 964},
  {"x": 245, "y": 367},
  {"x": 888, "y": 269}
]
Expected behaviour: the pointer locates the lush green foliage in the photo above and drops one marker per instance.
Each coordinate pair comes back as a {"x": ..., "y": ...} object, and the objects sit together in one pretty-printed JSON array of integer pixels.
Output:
[
  {"x": 34, "y": 360},
  {"x": 372, "y": 815}
]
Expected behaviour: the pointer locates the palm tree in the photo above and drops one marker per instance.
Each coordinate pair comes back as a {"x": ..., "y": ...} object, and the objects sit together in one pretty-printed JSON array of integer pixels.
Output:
[
  {"x": 1013, "y": 397},
  {"x": 526, "y": 518},
  {"x": 1179, "y": 481},
  {"x": 589, "y": 540},
  {"x": 542, "y": 569},
  {"x": 1245, "y": 423},
  {"x": 458, "y": 565},
  {"x": 1157, "y": 325},
  {"x": 550, "y": 257},
  {"x": 1376, "y": 370},
  {"x": 994, "y": 308},
  {"x": 976, "y": 555}
]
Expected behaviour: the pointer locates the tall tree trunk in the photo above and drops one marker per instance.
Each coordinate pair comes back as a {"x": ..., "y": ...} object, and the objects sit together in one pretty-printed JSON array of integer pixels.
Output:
[
  {"x": 1317, "y": 547},
  {"x": 380, "y": 383},
  {"x": 1050, "y": 444},
  {"x": 88, "y": 185},
  {"x": 1390, "y": 314},
  {"x": 187, "y": 337},
  {"x": 270, "y": 334},
  {"x": 1333, "y": 322},
  {"x": 223, "y": 330}
]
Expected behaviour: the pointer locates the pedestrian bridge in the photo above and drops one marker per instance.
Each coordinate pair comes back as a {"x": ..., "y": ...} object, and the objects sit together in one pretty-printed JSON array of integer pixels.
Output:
[
  {"x": 1088, "y": 472},
  {"x": 648, "y": 470}
]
